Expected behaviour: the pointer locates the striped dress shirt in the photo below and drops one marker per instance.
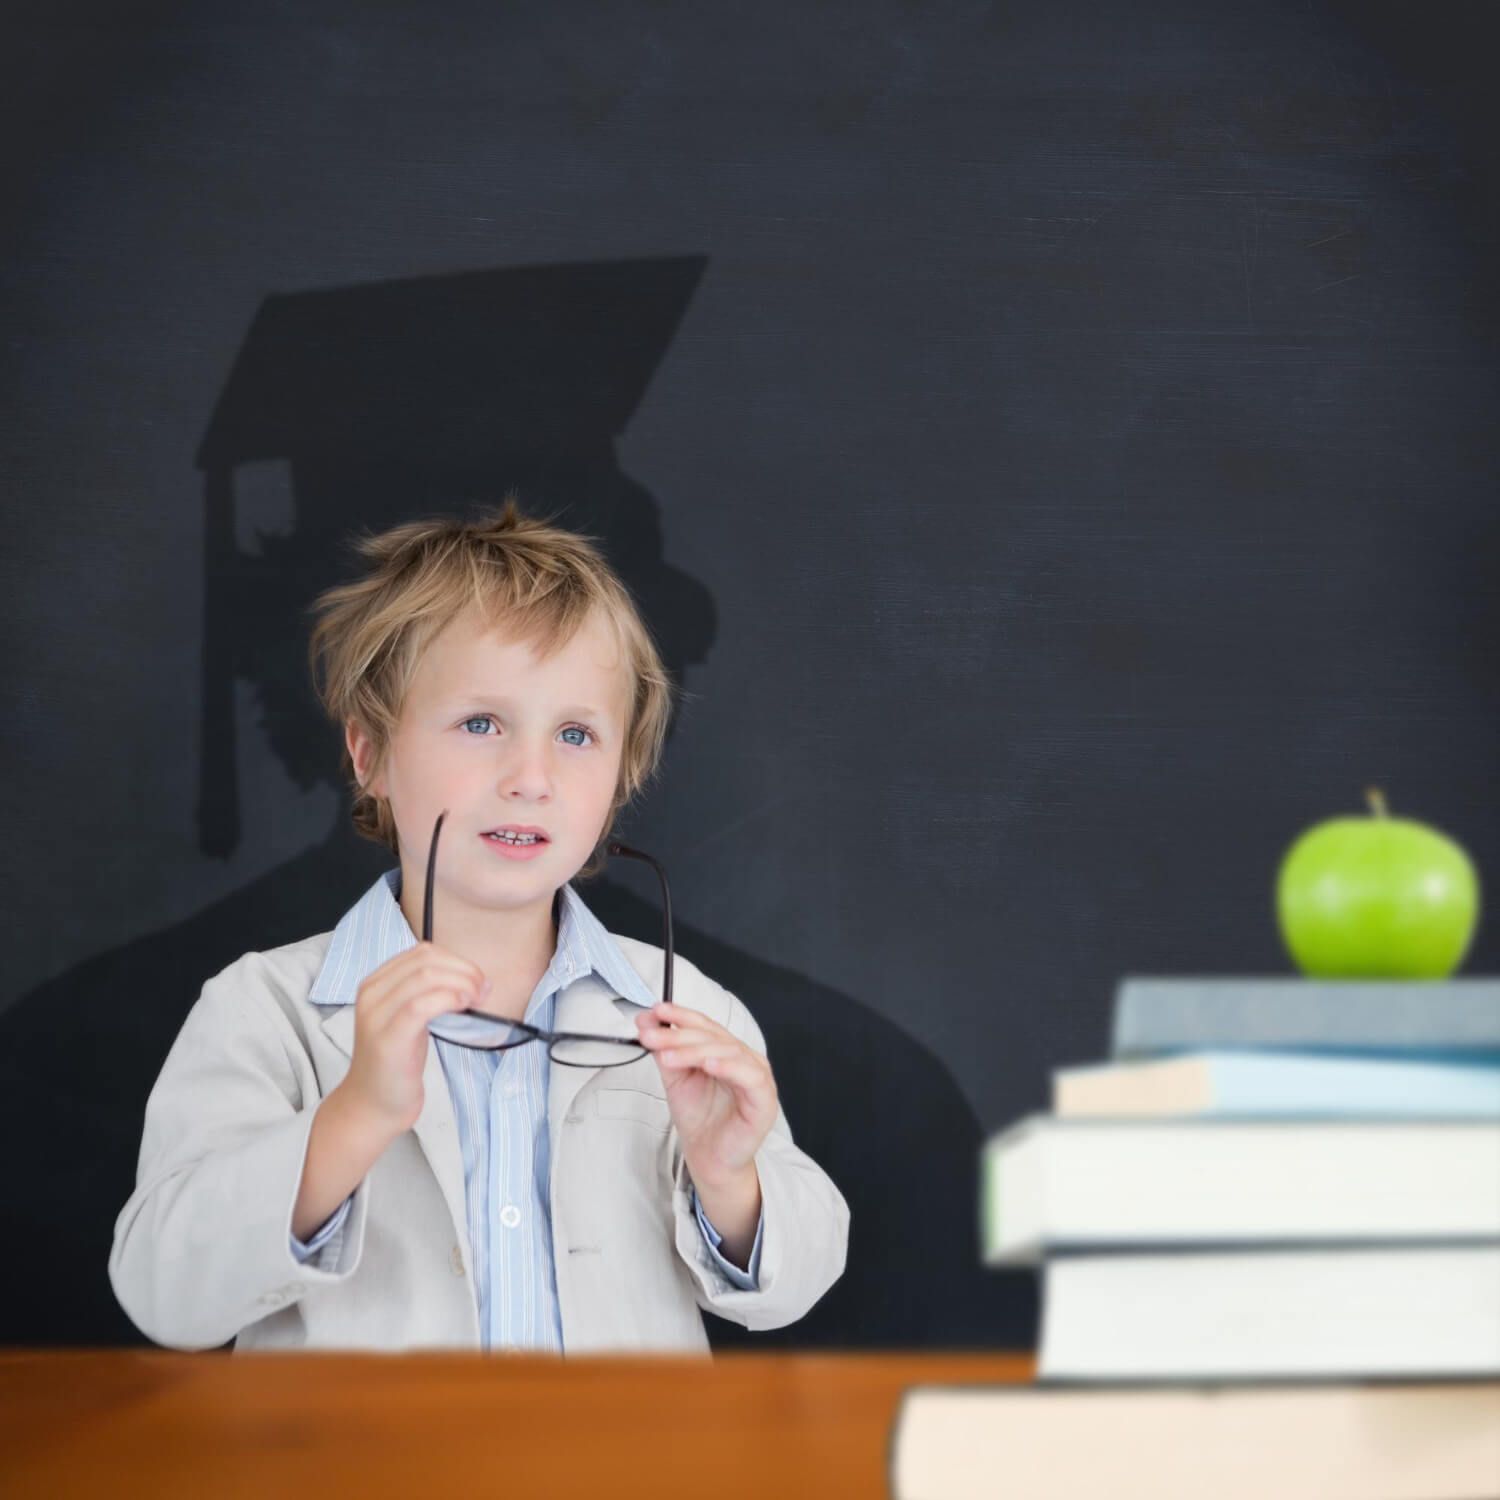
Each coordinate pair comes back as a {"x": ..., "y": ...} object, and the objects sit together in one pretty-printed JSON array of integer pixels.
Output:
[{"x": 500, "y": 1104}]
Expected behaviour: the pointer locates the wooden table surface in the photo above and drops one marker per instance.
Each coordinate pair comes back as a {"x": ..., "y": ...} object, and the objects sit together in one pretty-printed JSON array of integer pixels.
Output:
[{"x": 163, "y": 1423}]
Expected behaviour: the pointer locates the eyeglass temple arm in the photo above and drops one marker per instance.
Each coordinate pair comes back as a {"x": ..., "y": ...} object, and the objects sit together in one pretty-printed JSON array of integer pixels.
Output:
[
  {"x": 613, "y": 846},
  {"x": 437, "y": 828}
]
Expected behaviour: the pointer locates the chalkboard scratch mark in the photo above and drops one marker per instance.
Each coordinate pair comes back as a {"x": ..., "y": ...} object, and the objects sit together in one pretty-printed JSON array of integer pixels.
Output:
[
  {"x": 1313, "y": 244},
  {"x": 1247, "y": 260},
  {"x": 1088, "y": 224},
  {"x": 739, "y": 822},
  {"x": 1339, "y": 282}
]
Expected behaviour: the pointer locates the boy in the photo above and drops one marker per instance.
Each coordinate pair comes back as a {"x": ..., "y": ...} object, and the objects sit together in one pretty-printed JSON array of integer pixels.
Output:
[{"x": 317, "y": 1169}]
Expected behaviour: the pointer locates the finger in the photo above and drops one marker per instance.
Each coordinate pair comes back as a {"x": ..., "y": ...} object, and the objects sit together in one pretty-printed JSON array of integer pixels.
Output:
[
  {"x": 693, "y": 1054},
  {"x": 743, "y": 1071},
  {"x": 411, "y": 1020},
  {"x": 425, "y": 971},
  {"x": 660, "y": 1038},
  {"x": 425, "y": 996},
  {"x": 745, "y": 1074},
  {"x": 685, "y": 1018},
  {"x": 423, "y": 958},
  {"x": 377, "y": 1005}
]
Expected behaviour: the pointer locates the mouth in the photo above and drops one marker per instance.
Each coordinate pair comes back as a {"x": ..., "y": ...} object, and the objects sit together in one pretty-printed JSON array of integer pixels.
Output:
[
  {"x": 516, "y": 842},
  {"x": 519, "y": 832}
]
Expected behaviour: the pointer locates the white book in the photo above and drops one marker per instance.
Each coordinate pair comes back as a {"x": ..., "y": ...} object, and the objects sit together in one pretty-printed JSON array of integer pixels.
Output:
[
  {"x": 1340, "y": 1442},
  {"x": 1049, "y": 1185},
  {"x": 1272, "y": 1314}
]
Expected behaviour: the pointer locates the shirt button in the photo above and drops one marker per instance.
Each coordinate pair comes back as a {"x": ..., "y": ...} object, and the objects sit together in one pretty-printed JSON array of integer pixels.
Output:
[
  {"x": 510, "y": 1215},
  {"x": 511, "y": 1088},
  {"x": 457, "y": 1261}
]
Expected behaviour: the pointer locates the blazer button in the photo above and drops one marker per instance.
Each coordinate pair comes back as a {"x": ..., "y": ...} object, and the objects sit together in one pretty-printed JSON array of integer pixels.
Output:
[{"x": 456, "y": 1259}]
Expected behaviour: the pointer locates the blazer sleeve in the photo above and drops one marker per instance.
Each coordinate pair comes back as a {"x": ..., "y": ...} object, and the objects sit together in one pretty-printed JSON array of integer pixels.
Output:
[
  {"x": 804, "y": 1224},
  {"x": 203, "y": 1246}
]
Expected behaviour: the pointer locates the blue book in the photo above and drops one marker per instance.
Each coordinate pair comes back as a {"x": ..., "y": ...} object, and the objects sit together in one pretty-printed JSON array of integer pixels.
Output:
[
  {"x": 1265, "y": 1082},
  {"x": 1447, "y": 1017}
]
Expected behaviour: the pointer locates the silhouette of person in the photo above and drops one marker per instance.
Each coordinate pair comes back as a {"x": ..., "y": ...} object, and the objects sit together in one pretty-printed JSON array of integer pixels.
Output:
[{"x": 386, "y": 402}]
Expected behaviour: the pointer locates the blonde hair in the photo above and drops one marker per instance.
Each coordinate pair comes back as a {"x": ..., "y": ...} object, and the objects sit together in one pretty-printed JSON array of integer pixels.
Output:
[{"x": 536, "y": 582}]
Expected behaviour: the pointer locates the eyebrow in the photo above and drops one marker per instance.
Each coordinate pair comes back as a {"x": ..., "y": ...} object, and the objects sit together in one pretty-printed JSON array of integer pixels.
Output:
[{"x": 490, "y": 700}]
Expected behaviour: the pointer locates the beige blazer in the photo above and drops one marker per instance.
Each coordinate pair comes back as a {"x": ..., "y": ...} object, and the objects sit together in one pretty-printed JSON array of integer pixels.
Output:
[{"x": 201, "y": 1253}]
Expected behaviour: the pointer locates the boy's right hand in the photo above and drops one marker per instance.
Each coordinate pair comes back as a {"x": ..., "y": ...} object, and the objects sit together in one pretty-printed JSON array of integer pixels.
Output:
[{"x": 392, "y": 1008}]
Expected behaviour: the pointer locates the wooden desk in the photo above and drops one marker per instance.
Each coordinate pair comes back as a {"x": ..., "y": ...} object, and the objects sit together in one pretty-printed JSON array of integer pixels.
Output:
[{"x": 161, "y": 1423}]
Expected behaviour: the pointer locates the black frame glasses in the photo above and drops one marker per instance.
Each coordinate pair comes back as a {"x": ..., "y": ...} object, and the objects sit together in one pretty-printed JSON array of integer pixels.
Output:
[{"x": 573, "y": 1049}]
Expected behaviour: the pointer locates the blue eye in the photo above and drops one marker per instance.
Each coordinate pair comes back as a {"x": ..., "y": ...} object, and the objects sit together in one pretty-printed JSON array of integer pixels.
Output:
[{"x": 487, "y": 719}]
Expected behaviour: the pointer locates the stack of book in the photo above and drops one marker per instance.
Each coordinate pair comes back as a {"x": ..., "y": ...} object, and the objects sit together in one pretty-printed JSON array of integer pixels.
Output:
[
  {"x": 1271, "y": 1179},
  {"x": 1269, "y": 1235}
]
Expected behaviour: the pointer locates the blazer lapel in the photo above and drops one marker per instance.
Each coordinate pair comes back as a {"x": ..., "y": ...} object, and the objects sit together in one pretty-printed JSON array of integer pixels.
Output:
[
  {"x": 589, "y": 1005},
  {"x": 436, "y": 1129}
]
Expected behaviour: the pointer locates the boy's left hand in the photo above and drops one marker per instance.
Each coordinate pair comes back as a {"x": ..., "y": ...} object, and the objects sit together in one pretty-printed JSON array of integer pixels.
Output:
[{"x": 721, "y": 1092}]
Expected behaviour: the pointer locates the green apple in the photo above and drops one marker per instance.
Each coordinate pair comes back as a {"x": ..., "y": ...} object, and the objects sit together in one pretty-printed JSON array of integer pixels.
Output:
[{"x": 1376, "y": 898}]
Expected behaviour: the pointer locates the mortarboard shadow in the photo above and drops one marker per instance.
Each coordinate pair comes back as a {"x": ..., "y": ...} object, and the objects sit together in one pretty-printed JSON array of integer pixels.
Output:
[{"x": 386, "y": 402}]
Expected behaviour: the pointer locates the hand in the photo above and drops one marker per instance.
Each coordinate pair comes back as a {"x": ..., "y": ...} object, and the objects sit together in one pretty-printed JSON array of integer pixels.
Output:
[
  {"x": 392, "y": 1008},
  {"x": 720, "y": 1091}
]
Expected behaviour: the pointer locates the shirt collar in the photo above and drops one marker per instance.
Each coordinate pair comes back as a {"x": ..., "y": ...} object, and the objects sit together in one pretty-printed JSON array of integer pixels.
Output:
[{"x": 374, "y": 930}]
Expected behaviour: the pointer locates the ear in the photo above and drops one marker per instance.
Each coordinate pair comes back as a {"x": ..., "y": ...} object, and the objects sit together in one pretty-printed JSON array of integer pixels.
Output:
[{"x": 362, "y": 753}]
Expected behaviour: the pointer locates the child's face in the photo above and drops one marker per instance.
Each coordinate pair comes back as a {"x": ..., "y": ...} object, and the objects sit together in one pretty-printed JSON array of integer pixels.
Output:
[{"x": 497, "y": 736}]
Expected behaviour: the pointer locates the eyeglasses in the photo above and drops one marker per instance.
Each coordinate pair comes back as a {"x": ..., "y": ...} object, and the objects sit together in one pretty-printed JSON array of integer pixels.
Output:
[{"x": 575, "y": 1049}]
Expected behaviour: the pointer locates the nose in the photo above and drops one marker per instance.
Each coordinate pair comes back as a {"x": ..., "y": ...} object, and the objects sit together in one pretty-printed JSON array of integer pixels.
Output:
[{"x": 528, "y": 773}]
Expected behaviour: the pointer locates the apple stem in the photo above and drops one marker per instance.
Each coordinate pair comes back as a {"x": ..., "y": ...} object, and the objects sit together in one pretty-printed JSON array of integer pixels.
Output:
[{"x": 1376, "y": 799}]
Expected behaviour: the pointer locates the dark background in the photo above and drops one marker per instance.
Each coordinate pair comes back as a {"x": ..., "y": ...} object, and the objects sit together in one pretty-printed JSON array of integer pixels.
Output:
[{"x": 1055, "y": 445}]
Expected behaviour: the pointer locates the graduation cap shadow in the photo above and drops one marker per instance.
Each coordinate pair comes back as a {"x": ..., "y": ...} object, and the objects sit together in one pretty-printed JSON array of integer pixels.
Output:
[{"x": 385, "y": 402}]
